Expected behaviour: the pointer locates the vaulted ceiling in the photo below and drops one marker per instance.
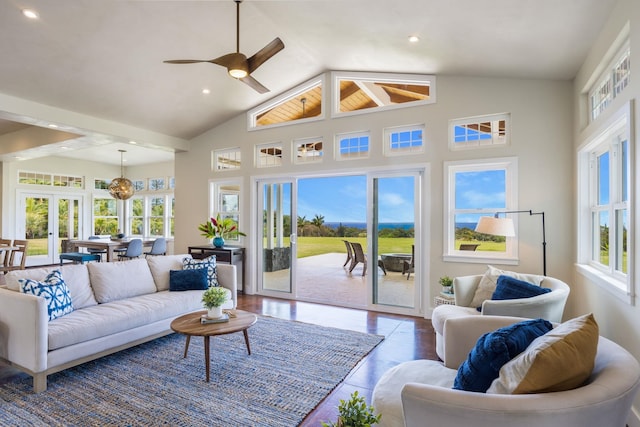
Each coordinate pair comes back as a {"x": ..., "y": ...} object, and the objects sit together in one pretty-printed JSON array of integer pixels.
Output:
[{"x": 104, "y": 59}]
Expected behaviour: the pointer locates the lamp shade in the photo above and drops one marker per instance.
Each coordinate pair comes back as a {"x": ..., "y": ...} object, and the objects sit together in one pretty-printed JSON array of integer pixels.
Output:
[{"x": 496, "y": 226}]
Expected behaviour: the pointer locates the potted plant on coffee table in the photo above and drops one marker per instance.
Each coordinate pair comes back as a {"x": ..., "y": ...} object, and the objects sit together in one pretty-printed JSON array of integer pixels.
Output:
[
  {"x": 212, "y": 300},
  {"x": 355, "y": 413}
]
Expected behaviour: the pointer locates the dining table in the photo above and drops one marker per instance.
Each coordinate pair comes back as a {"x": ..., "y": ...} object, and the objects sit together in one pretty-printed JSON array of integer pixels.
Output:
[{"x": 110, "y": 245}]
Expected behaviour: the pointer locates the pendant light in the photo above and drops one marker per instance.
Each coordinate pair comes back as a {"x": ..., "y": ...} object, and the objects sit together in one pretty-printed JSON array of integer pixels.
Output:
[{"x": 121, "y": 188}]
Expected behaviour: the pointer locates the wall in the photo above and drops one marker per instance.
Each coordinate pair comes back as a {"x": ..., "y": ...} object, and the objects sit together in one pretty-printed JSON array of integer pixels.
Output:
[
  {"x": 541, "y": 139},
  {"x": 617, "y": 320}
]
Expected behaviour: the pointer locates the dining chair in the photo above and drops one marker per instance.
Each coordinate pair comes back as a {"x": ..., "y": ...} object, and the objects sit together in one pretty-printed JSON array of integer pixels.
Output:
[
  {"x": 159, "y": 247},
  {"x": 17, "y": 258},
  {"x": 94, "y": 251},
  {"x": 5, "y": 254},
  {"x": 134, "y": 250}
]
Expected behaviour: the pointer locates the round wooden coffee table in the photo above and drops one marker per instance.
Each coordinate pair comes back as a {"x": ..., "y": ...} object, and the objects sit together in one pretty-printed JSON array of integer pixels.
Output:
[{"x": 190, "y": 325}]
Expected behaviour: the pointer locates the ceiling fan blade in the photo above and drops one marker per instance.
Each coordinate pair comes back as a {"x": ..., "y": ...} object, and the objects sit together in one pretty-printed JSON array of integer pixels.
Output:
[
  {"x": 226, "y": 60},
  {"x": 186, "y": 61},
  {"x": 264, "y": 54},
  {"x": 254, "y": 84}
]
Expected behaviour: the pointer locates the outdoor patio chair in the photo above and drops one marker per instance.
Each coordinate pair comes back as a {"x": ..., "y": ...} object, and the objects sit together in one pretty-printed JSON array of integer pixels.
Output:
[
  {"x": 349, "y": 252},
  {"x": 358, "y": 256},
  {"x": 469, "y": 246},
  {"x": 409, "y": 266}
]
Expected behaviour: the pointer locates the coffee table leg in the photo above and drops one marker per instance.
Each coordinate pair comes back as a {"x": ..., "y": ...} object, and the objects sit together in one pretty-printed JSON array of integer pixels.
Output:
[
  {"x": 206, "y": 355},
  {"x": 246, "y": 340},
  {"x": 186, "y": 346}
]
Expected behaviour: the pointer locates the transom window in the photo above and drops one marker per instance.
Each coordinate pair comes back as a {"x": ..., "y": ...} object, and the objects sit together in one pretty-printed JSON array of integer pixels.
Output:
[
  {"x": 475, "y": 189},
  {"x": 611, "y": 82},
  {"x": 404, "y": 140},
  {"x": 48, "y": 179},
  {"x": 227, "y": 159},
  {"x": 269, "y": 155},
  {"x": 308, "y": 150},
  {"x": 353, "y": 145},
  {"x": 479, "y": 131}
]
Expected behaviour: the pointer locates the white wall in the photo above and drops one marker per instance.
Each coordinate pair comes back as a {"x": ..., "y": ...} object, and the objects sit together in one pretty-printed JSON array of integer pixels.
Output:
[
  {"x": 541, "y": 139},
  {"x": 617, "y": 320}
]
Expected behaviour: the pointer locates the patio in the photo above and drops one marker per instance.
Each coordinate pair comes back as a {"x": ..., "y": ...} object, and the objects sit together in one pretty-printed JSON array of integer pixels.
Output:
[{"x": 323, "y": 279}]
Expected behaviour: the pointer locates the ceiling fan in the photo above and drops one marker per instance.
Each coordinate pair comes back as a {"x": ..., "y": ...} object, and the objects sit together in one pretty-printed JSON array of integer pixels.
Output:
[{"x": 237, "y": 64}]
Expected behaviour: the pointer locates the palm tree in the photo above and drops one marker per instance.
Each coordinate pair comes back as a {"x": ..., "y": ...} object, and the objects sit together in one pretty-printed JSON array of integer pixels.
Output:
[
  {"x": 302, "y": 221},
  {"x": 318, "y": 220}
]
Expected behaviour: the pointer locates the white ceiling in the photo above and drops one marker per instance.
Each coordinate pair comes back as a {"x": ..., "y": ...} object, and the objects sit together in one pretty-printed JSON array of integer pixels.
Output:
[{"x": 104, "y": 58}]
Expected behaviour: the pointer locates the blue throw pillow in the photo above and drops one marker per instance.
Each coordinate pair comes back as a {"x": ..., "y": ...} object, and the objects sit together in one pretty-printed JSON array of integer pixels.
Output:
[
  {"x": 54, "y": 290},
  {"x": 208, "y": 263},
  {"x": 188, "y": 280},
  {"x": 494, "y": 349},
  {"x": 510, "y": 288}
]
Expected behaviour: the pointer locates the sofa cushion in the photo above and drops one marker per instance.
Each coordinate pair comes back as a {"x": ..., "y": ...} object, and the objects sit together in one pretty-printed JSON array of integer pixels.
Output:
[
  {"x": 209, "y": 263},
  {"x": 54, "y": 290},
  {"x": 76, "y": 277},
  {"x": 188, "y": 280},
  {"x": 512, "y": 288},
  {"x": 557, "y": 361},
  {"x": 488, "y": 283},
  {"x": 160, "y": 267},
  {"x": 113, "y": 281},
  {"x": 493, "y": 350}
]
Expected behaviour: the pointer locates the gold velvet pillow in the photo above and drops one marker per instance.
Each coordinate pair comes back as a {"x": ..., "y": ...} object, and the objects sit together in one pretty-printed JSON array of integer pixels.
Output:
[{"x": 562, "y": 359}]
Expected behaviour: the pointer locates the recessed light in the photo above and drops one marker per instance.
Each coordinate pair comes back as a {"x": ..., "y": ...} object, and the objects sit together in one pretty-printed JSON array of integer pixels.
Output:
[
  {"x": 414, "y": 39},
  {"x": 132, "y": 142},
  {"x": 206, "y": 91},
  {"x": 30, "y": 13},
  {"x": 52, "y": 125}
]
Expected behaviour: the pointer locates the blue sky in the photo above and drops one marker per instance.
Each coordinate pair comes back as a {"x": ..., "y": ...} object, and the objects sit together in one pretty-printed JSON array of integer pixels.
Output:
[{"x": 344, "y": 199}]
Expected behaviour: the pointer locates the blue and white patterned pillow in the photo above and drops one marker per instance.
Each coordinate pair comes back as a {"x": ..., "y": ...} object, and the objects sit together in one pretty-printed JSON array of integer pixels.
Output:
[
  {"x": 54, "y": 290},
  {"x": 208, "y": 263}
]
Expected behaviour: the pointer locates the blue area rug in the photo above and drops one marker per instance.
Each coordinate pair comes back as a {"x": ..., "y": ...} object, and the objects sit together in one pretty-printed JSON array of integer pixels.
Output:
[{"x": 293, "y": 366}]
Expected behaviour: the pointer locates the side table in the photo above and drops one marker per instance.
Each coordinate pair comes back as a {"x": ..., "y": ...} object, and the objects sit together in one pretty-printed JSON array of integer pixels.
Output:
[{"x": 444, "y": 299}]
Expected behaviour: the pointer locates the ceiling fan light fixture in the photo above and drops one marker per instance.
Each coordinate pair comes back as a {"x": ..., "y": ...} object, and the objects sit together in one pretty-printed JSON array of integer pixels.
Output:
[{"x": 238, "y": 73}]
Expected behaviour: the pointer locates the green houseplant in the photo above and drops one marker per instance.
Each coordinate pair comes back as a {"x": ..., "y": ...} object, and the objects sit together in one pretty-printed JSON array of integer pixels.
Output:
[
  {"x": 212, "y": 300},
  {"x": 354, "y": 413},
  {"x": 218, "y": 228},
  {"x": 447, "y": 284}
]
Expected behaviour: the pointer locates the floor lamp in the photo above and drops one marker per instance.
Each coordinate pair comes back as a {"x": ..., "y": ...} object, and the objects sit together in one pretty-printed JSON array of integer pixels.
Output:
[{"x": 497, "y": 226}]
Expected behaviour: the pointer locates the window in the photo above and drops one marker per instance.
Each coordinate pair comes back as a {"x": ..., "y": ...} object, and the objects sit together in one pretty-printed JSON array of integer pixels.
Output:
[
  {"x": 156, "y": 184},
  {"x": 475, "y": 189},
  {"x": 479, "y": 131},
  {"x": 136, "y": 217},
  {"x": 225, "y": 200},
  {"x": 269, "y": 155},
  {"x": 300, "y": 104},
  {"x": 156, "y": 217},
  {"x": 359, "y": 93},
  {"x": 101, "y": 184},
  {"x": 611, "y": 82},
  {"x": 48, "y": 179},
  {"x": 105, "y": 216},
  {"x": 228, "y": 159},
  {"x": 138, "y": 185},
  {"x": 404, "y": 140},
  {"x": 605, "y": 202},
  {"x": 151, "y": 215},
  {"x": 308, "y": 150},
  {"x": 352, "y": 146}
]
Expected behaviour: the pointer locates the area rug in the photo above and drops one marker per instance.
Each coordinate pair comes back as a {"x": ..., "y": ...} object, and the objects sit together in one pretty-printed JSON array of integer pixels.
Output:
[{"x": 292, "y": 367}]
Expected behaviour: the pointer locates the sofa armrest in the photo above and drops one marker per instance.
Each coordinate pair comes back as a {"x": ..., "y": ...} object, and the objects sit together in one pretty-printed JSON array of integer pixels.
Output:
[
  {"x": 461, "y": 334},
  {"x": 549, "y": 306},
  {"x": 228, "y": 278},
  {"x": 24, "y": 330},
  {"x": 464, "y": 288}
]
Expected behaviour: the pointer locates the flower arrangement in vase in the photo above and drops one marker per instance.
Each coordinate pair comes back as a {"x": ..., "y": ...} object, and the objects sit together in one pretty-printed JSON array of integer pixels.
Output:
[
  {"x": 212, "y": 300},
  {"x": 218, "y": 228}
]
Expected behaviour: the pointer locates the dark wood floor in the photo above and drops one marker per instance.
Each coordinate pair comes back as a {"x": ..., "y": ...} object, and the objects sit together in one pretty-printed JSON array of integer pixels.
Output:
[{"x": 406, "y": 338}]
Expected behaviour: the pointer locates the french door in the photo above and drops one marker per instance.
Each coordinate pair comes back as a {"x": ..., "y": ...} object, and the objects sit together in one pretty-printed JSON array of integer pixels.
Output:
[
  {"x": 276, "y": 237},
  {"x": 44, "y": 220}
]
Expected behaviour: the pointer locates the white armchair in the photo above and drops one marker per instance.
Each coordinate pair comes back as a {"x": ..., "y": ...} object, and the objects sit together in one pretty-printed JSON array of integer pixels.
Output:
[
  {"x": 419, "y": 393},
  {"x": 549, "y": 306}
]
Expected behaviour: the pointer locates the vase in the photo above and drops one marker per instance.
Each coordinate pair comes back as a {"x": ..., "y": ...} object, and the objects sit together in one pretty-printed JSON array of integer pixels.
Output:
[
  {"x": 218, "y": 242},
  {"x": 214, "y": 312}
]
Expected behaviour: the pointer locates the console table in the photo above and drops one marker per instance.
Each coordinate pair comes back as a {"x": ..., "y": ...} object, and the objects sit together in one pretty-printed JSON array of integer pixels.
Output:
[{"x": 225, "y": 255}]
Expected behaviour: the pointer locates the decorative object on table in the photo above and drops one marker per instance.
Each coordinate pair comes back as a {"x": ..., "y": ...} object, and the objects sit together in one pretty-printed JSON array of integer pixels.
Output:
[
  {"x": 121, "y": 188},
  {"x": 354, "y": 413},
  {"x": 447, "y": 284},
  {"x": 218, "y": 228},
  {"x": 205, "y": 319},
  {"x": 212, "y": 300},
  {"x": 497, "y": 226}
]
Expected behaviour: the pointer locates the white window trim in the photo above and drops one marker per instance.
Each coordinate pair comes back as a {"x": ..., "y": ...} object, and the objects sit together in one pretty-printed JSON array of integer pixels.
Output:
[
  {"x": 306, "y": 160},
  {"x": 388, "y": 151},
  {"x": 606, "y": 75},
  {"x": 263, "y": 160},
  {"x": 216, "y": 153},
  {"x": 450, "y": 254},
  {"x": 336, "y": 76},
  {"x": 612, "y": 283},
  {"x": 336, "y": 149},
  {"x": 486, "y": 143}
]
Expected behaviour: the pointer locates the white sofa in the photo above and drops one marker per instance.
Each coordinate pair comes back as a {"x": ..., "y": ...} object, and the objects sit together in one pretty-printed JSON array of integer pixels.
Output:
[
  {"x": 116, "y": 305},
  {"x": 419, "y": 392},
  {"x": 549, "y": 306}
]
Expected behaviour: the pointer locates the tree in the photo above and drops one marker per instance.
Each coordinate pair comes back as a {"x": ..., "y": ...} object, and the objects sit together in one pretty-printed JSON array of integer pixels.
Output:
[{"x": 318, "y": 220}]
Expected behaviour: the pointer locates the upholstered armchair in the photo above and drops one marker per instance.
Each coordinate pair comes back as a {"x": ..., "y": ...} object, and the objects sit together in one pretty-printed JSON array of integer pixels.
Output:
[
  {"x": 420, "y": 393},
  {"x": 549, "y": 306}
]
